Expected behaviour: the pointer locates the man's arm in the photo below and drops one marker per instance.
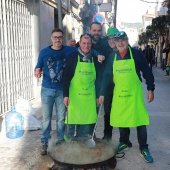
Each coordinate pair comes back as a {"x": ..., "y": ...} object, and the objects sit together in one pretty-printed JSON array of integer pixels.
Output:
[
  {"x": 71, "y": 42},
  {"x": 40, "y": 61},
  {"x": 39, "y": 66},
  {"x": 68, "y": 75},
  {"x": 142, "y": 65},
  {"x": 107, "y": 77}
]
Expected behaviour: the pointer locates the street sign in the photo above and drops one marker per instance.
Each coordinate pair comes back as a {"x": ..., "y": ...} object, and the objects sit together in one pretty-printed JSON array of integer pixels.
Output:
[
  {"x": 106, "y": 7},
  {"x": 98, "y": 18}
]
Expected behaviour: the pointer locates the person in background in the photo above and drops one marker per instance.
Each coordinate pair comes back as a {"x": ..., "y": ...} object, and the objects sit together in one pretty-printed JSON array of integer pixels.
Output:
[
  {"x": 168, "y": 64},
  {"x": 128, "y": 108},
  {"x": 51, "y": 62},
  {"x": 166, "y": 50},
  {"x": 149, "y": 55},
  {"x": 153, "y": 55},
  {"x": 79, "y": 88}
]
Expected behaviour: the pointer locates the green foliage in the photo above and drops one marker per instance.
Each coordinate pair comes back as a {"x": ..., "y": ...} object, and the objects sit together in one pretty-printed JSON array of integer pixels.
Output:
[
  {"x": 168, "y": 16},
  {"x": 153, "y": 31},
  {"x": 159, "y": 25},
  {"x": 143, "y": 39}
]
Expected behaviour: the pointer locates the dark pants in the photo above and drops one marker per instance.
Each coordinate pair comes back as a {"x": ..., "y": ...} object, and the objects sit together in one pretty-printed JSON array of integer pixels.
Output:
[
  {"x": 107, "y": 110},
  {"x": 150, "y": 63},
  {"x": 141, "y": 134}
]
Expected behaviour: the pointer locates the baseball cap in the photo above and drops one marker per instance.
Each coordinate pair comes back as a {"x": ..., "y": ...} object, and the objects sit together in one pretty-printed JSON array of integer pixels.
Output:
[
  {"x": 120, "y": 35},
  {"x": 112, "y": 31}
]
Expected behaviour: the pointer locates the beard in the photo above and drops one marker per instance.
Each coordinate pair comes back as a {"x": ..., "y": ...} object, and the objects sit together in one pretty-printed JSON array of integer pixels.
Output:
[{"x": 95, "y": 38}]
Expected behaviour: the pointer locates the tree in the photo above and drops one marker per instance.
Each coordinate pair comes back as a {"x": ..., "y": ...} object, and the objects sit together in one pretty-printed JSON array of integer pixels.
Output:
[
  {"x": 155, "y": 30},
  {"x": 168, "y": 16},
  {"x": 152, "y": 34},
  {"x": 159, "y": 25},
  {"x": 143, "y": 39}
]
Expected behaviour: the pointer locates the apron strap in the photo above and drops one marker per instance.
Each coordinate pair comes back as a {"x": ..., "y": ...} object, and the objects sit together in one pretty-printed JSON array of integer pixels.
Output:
[{"x": 131, "y": 56}]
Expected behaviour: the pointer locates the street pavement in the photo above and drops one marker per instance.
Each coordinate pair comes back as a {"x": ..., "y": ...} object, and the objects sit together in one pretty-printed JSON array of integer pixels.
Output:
[{"x": 24, "y": 153}]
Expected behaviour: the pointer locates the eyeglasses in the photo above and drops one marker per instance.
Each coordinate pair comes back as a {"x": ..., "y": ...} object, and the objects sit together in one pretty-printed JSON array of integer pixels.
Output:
[
  {"x": 59, "y": 37},
  {"x": 110, "y": 39},
  {"x": 119, "y": 34}
]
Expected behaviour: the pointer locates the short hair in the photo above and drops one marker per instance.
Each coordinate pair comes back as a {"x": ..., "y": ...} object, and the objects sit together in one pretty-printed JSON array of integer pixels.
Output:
[
  {"x": 56, "y": 30},
  {"x": 95, "y": 23},
  {"x": 85, "y": 35}
]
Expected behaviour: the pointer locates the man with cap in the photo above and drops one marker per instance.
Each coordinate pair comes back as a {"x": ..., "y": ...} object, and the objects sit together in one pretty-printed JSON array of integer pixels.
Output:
[{"x": 128, "y": 108}]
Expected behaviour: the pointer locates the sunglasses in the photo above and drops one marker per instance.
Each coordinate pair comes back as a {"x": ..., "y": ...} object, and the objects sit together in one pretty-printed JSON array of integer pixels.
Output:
[{"x": 119, "y": 34}]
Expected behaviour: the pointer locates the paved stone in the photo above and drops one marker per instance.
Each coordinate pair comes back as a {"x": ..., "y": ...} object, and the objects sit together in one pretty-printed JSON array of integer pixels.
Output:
[{"x": 24, "y": 153}]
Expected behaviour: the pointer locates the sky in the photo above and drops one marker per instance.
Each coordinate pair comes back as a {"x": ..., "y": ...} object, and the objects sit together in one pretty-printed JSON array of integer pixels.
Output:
[{"x": 132, "y": 10}]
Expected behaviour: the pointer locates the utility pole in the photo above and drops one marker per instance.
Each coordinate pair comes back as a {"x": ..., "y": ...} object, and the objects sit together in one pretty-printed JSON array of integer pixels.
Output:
[
  {"x": 98, "y": 3},
  {"x": 115, "y": 13},
  {"x": 59, "y": 8}
]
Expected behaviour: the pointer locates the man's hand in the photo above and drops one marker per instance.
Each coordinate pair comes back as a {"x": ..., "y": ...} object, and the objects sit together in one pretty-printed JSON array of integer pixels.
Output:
[
  {"x": 37, "y": 73},
  {"x": 97, "y": 102},
  {"x": 101, "y": 99},
  {"x": 150, "y": 96},
  {"x": 100, "y": 58},
  {"x": 71, "y": 42},
  {"x": 66, "y": 101}
]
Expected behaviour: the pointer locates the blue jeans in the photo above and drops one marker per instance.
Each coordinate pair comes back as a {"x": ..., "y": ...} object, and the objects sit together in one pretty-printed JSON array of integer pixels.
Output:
[
  {"x": 49, "y": 97},
  {"x": 81, "y": 130},
  {"x": 141, "y": 134}
]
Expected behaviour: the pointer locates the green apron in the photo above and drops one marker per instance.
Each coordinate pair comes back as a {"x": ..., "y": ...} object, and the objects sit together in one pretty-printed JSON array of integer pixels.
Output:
[
  {"x": 128, "y": 109},
  {"x": 82, "y": 107}
]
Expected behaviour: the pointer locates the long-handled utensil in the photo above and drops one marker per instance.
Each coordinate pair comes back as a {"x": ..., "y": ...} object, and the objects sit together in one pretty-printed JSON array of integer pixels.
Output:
[
  {"x": 90, "y": 142},
  {"x": 67, "y": 136}
]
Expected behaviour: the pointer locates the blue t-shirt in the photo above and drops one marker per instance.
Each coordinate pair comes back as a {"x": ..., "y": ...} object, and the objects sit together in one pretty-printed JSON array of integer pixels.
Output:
[{"x": 52, "y": 63}]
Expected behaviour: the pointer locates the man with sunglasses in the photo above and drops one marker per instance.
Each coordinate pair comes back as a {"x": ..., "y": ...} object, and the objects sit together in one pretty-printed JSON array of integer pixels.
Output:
[{"x": 128, "y": 108}]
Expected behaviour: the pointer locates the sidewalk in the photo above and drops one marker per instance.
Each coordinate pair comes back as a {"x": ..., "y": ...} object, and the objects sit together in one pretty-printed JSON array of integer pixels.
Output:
[{"x": 24, "y": 153}]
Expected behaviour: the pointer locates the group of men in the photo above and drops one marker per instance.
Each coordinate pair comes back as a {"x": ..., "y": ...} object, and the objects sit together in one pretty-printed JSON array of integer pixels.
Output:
[{"x": 75, "y": 78}]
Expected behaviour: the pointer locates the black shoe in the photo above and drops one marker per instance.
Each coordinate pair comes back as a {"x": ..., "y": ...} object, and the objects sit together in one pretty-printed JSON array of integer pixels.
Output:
[
  {"x": 129, "y": 144},
  {"x": 107, "y": 137},
  {"x": 44, "y": 149}
]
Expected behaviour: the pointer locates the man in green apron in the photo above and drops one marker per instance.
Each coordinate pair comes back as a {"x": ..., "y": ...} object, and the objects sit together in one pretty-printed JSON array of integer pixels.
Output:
[
  {"x": 79, "y": 90},
  {"x": 128, "y": 108}
]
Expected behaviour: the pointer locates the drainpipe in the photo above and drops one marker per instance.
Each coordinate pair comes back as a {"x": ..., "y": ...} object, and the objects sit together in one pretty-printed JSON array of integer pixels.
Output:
[
  {"x": 59, "y": 8},
  {"x": 115, "y": 13}
]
